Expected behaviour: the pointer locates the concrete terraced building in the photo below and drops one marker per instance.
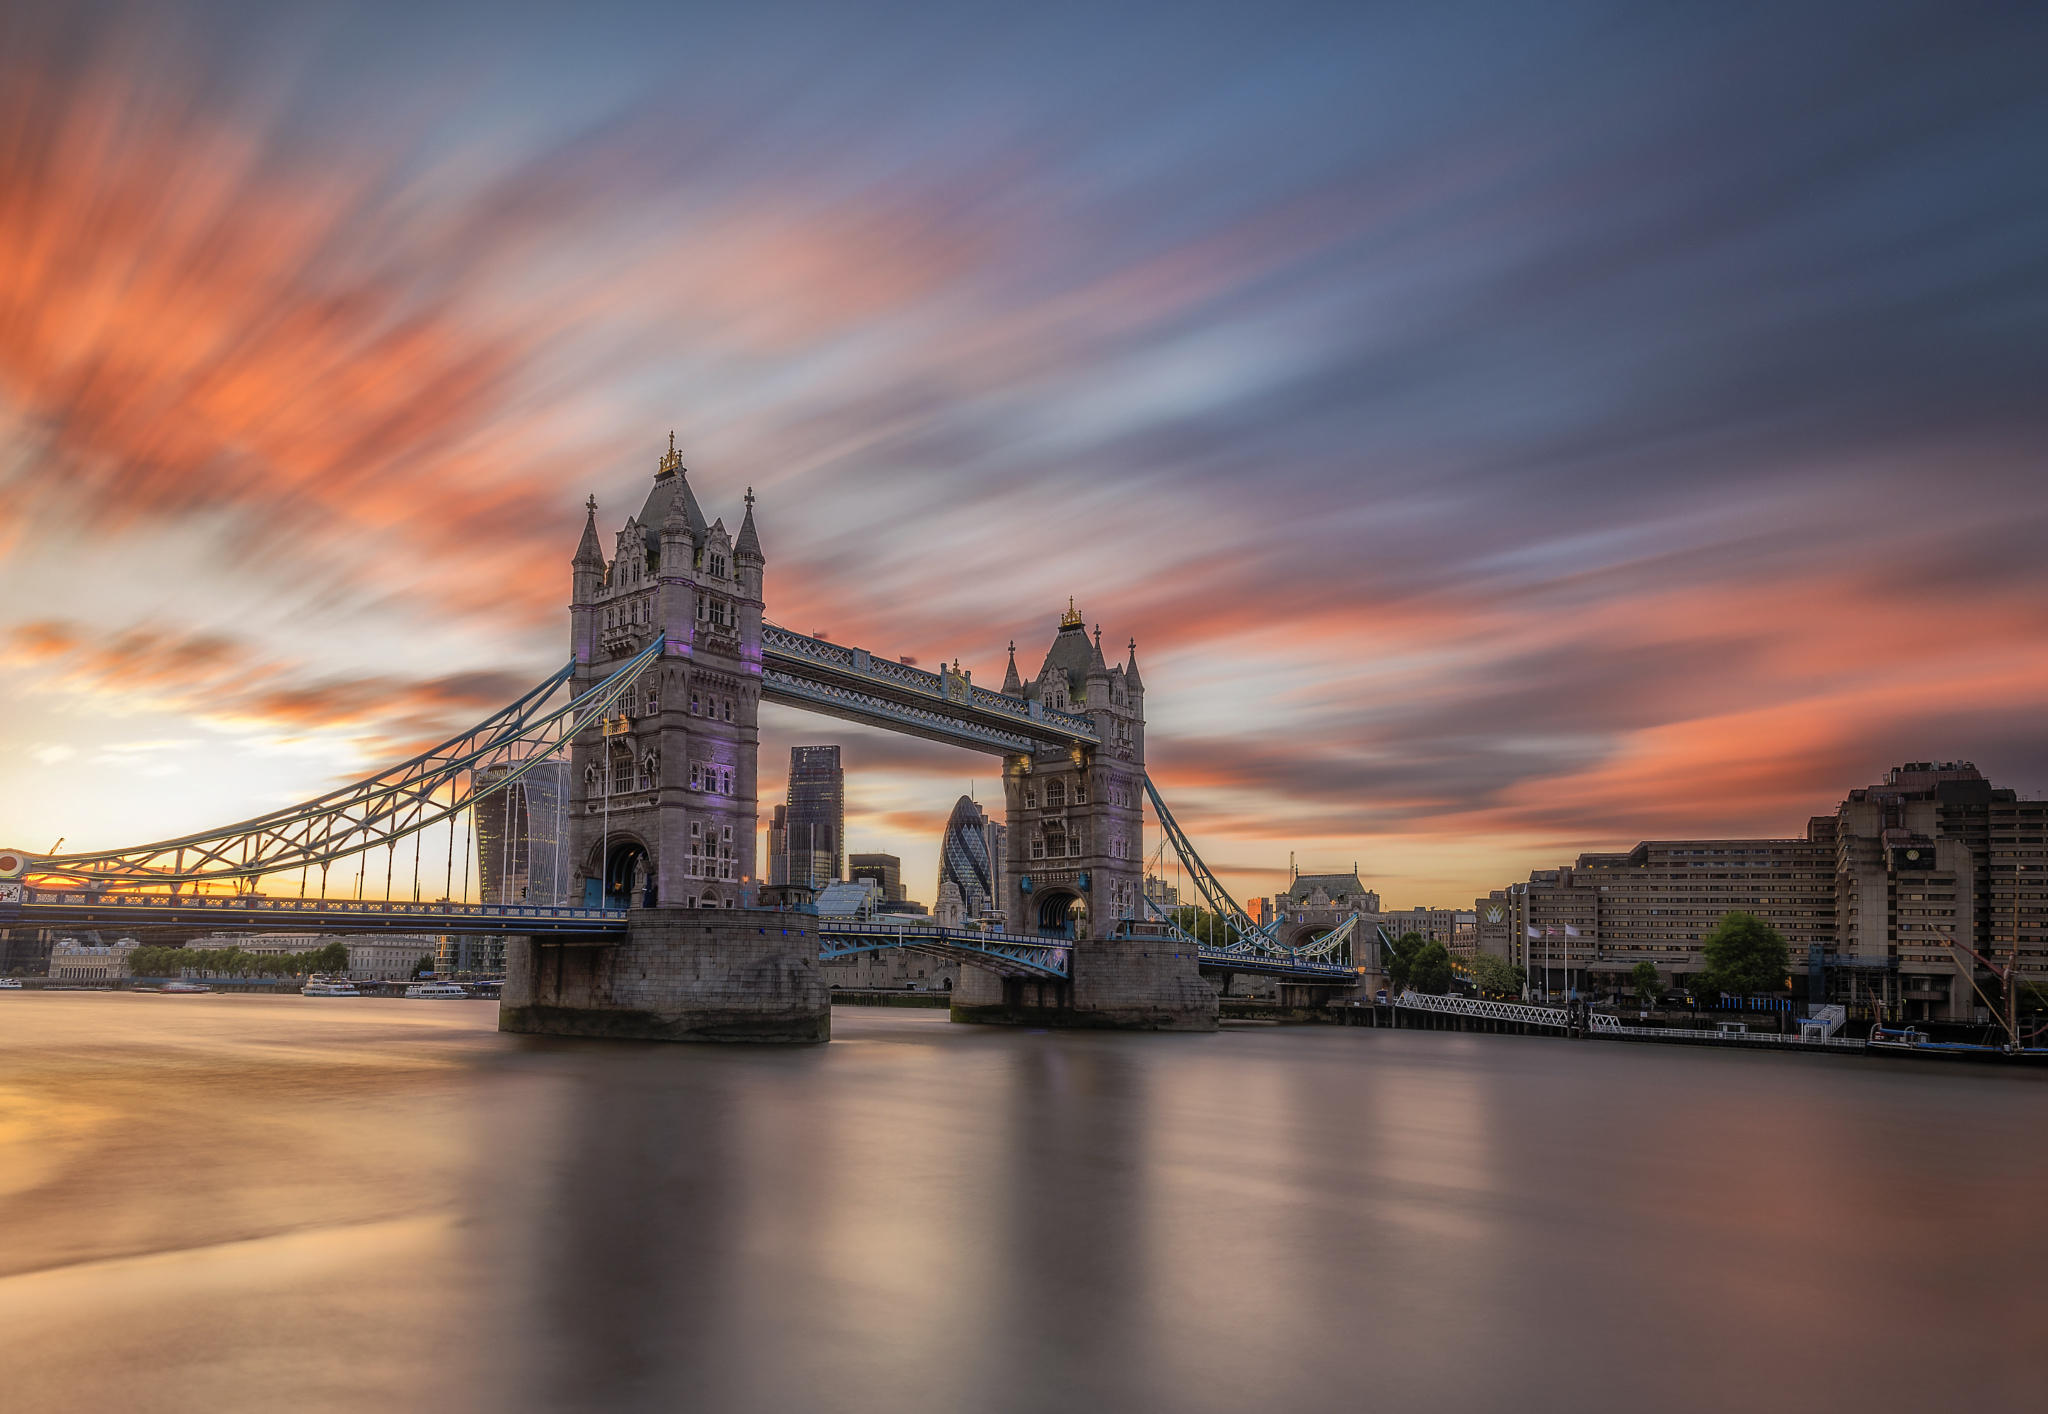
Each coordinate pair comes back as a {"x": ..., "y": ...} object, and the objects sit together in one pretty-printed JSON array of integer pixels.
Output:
[{"x": 1868, "y": 899}]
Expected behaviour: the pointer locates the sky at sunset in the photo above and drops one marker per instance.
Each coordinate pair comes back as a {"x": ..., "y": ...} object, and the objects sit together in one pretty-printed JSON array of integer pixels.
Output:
[{"x": 1506, "y": 430}]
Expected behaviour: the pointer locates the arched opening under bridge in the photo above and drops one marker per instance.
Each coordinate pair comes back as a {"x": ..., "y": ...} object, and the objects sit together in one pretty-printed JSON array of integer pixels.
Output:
[
  {"x": 628, "y": 881},
  {"x": 1061, "y": 914}
]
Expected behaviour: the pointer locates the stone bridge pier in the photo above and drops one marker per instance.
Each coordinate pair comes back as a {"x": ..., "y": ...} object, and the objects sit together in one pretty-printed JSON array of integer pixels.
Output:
[{"x": 680, "y": 974}]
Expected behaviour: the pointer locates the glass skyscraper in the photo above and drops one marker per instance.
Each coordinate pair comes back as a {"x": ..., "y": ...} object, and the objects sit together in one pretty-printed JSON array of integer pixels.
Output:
[
  {"x": 815, "y": 823},
  {"x": 971, "y": 858},
  {"x": 522, "y": 836}
]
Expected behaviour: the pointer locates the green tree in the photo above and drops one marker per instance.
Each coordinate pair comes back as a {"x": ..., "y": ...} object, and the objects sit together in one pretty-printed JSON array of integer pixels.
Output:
[
  {"x": 1648, "y": 984},
  {"x": 1494, "y": 976},
  {"x": 1201, "y": 925},
  {"x": 422, "y": 967},
  {"x": 1744, "y": 956},
  {"x": 1430, "y": 969},
  {"x": 1401, "y": 962},
  {"x": 331, "y": 958}
]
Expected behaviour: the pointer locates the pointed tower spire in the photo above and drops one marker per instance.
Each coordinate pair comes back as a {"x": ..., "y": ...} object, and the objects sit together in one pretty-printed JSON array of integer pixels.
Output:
[
  {"x": 588, "y": 551},
  {"x": 1096, "y": 663},
  {"x": 749, "y": 543},
  {"x": 1131, "y": 678},
  {"x": 1012, "y": 685}
]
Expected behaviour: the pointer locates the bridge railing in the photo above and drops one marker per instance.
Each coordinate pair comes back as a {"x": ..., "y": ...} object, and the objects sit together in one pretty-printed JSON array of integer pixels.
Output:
[
  {"x": 842, "y": 700},
  {"x": 1010, "y": 952},
  {"x": 1522, "y": 1012},
  {"x": 942, "y": 686}
]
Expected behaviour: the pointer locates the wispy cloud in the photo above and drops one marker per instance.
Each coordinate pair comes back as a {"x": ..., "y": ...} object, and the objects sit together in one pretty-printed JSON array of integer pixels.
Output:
[{"x": 1531, "y": 432}]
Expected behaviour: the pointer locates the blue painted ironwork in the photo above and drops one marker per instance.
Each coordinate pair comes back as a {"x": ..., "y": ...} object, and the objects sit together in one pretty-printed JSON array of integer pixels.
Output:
[
  {"x": 77, "y": 907},
  {"x": 370, "y": 814},
  {"x": 1235, "y": 920},
  {"x": 1000, "y": 952},
  {"x": 1285, "y": 964}
]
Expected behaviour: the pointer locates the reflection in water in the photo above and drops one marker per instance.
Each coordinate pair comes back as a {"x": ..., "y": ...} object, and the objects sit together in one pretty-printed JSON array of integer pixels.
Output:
[{"x": 244, "y": 1203}]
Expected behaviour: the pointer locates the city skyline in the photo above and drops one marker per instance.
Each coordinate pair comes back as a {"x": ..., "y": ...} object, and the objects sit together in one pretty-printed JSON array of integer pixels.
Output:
[{"x": 1489, "y": 479}]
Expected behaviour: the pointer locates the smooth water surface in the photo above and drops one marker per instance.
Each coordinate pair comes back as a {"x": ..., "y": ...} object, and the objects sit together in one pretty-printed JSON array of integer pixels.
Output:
[{"x": 265, "y": 1203}]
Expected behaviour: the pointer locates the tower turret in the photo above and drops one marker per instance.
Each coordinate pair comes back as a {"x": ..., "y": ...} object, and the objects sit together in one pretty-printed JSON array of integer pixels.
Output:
[
  {"x": 1097, "y": 686},
  {"x": 586, "y": 574}
]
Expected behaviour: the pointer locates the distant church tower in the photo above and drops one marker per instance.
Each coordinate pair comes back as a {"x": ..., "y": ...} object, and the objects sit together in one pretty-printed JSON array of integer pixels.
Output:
[
  {"x": 1076, "y": 818},
  {"x": 663, "y": 795}
]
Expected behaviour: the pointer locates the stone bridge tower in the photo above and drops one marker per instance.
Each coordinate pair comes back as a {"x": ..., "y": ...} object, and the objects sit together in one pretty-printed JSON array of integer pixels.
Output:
[
  {"x": 1075, "y": 865},
  {"x": 662, "y": 797},
  {"x": 1076, "y": 817}
]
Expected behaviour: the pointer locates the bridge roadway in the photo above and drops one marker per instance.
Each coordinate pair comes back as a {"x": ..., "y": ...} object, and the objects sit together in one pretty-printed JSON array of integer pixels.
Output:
[{"x": 1007, "y": 953}]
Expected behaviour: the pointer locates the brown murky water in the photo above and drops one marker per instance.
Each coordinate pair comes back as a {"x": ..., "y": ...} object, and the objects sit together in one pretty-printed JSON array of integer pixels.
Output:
[{"x": 247, "y": 1203}]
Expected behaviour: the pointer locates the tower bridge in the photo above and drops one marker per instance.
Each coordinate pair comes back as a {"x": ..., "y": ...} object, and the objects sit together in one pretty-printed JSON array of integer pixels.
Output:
[{"x": 662, "y": 927}]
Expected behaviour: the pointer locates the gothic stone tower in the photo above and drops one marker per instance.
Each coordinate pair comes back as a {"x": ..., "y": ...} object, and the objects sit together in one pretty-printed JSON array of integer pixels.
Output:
[
  {"x": 663, "y": 801},
  {"x": 1076, "y": 859},
  {"x": 1076, "y": 818}
]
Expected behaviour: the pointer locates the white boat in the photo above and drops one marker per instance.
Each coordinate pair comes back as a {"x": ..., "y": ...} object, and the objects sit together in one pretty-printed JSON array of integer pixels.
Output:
[
  {"x": 329, "y": 987},
  {"x": 10, "y": 984},
  {"x": 437, "y": 989}
]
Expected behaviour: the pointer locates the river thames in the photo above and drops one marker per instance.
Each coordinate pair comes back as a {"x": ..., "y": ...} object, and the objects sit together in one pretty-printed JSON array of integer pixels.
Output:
[{"x": 265, "y": 1203}]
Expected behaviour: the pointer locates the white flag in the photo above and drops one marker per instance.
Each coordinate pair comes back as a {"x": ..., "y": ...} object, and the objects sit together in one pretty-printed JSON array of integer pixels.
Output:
[
  {"x": 1570, "y": 932},
  {"x": 1531, "y": 930}
]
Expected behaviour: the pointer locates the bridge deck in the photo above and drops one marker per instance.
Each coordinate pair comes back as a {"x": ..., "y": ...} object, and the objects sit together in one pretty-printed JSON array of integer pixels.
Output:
[
  {"x": 54, "y": 908},
  {"x": 1016, "y": 954}
]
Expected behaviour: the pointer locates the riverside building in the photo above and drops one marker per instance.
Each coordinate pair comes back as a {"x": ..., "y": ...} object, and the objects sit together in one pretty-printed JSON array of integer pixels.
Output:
[{"x": 1869, "y": 899}]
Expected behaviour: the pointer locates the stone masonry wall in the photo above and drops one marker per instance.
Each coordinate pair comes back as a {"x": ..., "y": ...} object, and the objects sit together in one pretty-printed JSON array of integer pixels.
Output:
[
  {"x": 1141, "y": 984},
  {"x": 681, "y": 974}
]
